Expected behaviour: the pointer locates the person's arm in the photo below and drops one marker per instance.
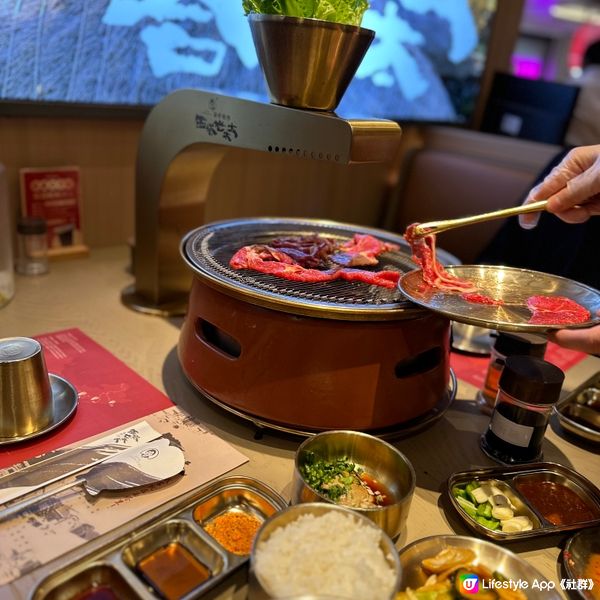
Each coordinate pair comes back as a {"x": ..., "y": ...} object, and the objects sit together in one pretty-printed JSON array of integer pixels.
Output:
[
  {"x": 573, "y": 192},
  {"x": 572, "y": 188}
]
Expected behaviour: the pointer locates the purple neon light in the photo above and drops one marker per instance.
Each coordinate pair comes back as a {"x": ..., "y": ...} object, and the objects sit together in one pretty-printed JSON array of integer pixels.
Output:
[{"x": 527, "y": 66}]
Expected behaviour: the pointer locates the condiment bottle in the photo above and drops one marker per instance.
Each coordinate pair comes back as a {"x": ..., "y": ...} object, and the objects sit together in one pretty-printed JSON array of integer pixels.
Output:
[
  {"x": 32, "y": 246},
  {"x": 7, "y": 279},
  {"x": 506, "y": 344},
  {"x": 528, "y": 389}
]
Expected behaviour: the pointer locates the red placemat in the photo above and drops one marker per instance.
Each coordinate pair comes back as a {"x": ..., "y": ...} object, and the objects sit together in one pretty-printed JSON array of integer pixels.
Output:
[
  {"x": 110, "y": 393},
  {"x": 473, "y": 369}
]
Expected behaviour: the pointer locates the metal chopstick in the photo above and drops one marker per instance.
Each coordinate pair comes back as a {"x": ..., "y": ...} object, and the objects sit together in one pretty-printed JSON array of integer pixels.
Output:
[{"x": 433, "y": 227}]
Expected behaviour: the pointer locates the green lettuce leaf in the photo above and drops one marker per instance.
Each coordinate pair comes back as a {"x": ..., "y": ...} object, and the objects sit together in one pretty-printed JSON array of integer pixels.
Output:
[{"x": 349, "y": 12}]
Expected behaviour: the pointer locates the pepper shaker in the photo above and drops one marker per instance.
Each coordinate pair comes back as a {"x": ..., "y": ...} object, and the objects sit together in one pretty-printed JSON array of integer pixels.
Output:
[
  {"x": 7, "y": 279},
  {"x": 529, "y": 387},
  {"x": 32, "y": 246}
]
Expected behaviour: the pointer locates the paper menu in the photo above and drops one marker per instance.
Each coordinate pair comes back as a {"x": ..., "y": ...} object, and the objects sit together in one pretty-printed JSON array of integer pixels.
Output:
[
  {"x": 66, "y": 521},
  {"x": 110, "y": 393}
]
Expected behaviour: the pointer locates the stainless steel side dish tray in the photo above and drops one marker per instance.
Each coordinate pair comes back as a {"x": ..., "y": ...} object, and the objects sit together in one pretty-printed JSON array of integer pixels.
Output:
[
  {"x": 183, "y": 550},
  {"x": 579, "y": 412},
  {"x": 524, "y": 501}
]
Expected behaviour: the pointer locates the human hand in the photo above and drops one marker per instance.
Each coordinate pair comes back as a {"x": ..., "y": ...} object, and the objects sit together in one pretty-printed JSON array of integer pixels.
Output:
[
  {"x": 572, "y": 188},
  {"x": 585, "y": 340}
]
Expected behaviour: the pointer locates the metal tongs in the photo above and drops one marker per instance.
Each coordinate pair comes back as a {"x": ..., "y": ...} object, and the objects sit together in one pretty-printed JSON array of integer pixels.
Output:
[{"x": 434, "y": 227}]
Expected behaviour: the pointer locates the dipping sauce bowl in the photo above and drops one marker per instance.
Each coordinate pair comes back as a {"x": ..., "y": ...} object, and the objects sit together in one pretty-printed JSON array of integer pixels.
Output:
[{"x": 378, "y": 460}]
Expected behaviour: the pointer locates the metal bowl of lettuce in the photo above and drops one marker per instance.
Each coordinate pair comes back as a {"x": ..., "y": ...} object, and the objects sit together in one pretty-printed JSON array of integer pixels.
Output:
[
  {"x": 308, "y": 51},
  {"x": 358, "y": 471}
]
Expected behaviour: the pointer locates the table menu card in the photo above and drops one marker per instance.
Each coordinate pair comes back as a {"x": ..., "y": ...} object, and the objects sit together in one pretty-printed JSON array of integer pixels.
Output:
[
  {"x": 67, "y": 520},
  {"x": 110, "y": 393}
]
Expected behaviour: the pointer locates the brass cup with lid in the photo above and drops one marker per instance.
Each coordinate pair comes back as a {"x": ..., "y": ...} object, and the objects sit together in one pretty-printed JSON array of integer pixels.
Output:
[{"x": 25, "y": 391}]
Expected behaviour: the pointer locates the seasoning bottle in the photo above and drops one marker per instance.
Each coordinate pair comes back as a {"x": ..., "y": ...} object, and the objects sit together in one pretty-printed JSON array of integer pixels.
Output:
[
  {"x": 32, "y": 246},
  {"x": 528, "y": 389},
  {"x": 7, "y": 279},
  {"x": 506, "y": 344}
]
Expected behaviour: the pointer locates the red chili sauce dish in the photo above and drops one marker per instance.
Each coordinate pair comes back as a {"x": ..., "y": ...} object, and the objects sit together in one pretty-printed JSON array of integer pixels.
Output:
[
  {"x": 557, "y": 503},
  {"x": 98, "y": 593}
]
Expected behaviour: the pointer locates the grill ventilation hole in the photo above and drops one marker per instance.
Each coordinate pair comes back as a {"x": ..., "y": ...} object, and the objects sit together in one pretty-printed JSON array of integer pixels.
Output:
[
  {"x": 218, "y": 339},
  {"x": 421, "y": 363},
  {"x": 304, "y": 153}
]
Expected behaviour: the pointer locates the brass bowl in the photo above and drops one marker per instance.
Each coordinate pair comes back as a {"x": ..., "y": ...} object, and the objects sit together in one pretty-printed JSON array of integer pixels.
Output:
[
  {"x": 377, "y": 458},
  {"x": 308, "y": 63}
]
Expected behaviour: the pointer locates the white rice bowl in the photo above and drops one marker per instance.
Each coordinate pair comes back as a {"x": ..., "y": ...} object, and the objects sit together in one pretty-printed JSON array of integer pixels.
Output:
[{"x": 331, "y": 554}]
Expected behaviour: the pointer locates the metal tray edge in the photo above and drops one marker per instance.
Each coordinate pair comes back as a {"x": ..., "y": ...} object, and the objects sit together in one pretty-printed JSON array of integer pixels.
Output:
[
  {"x": 103, "y": 549},
  {"x": 574, "y": 427}
]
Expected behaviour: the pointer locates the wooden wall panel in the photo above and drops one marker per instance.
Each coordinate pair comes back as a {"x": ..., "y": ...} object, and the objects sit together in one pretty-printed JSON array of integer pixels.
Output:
[
  {"x": 251, "y": 183},
  {"x": 245, "y": 184},
  {"x": 104, "y": 150}
]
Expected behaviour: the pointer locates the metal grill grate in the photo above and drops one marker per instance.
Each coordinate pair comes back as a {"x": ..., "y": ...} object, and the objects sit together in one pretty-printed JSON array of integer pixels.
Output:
[{"x": 209, "y": 249}]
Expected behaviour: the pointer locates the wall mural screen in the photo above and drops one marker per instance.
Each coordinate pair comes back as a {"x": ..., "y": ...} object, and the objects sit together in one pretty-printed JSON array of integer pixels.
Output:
[{"x": 424, "y": 65}]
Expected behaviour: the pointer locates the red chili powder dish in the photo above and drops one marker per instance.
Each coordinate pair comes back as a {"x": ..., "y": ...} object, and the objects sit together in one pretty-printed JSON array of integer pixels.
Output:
[
  {"x": 235, "y": 531},
  {"x": 557, "y": 503}
]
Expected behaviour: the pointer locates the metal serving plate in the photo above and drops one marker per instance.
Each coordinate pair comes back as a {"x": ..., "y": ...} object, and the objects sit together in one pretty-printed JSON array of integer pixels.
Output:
[
  {"x": 509, "y": 476},
  {"x": 114, "y": 563},
  {"x": 489, "y": 555},
  {"x": 576, "y": 555},
  {"x": 575, "y": 414},
  {"x": 509, "y": 284}
]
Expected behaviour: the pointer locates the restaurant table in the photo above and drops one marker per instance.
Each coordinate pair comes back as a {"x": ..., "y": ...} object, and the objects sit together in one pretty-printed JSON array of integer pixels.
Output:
[{"x": 85, "y": 293}]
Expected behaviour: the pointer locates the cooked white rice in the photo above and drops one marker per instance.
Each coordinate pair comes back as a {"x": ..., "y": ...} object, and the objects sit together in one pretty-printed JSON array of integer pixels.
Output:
[{"x": 330, "y": 554}]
